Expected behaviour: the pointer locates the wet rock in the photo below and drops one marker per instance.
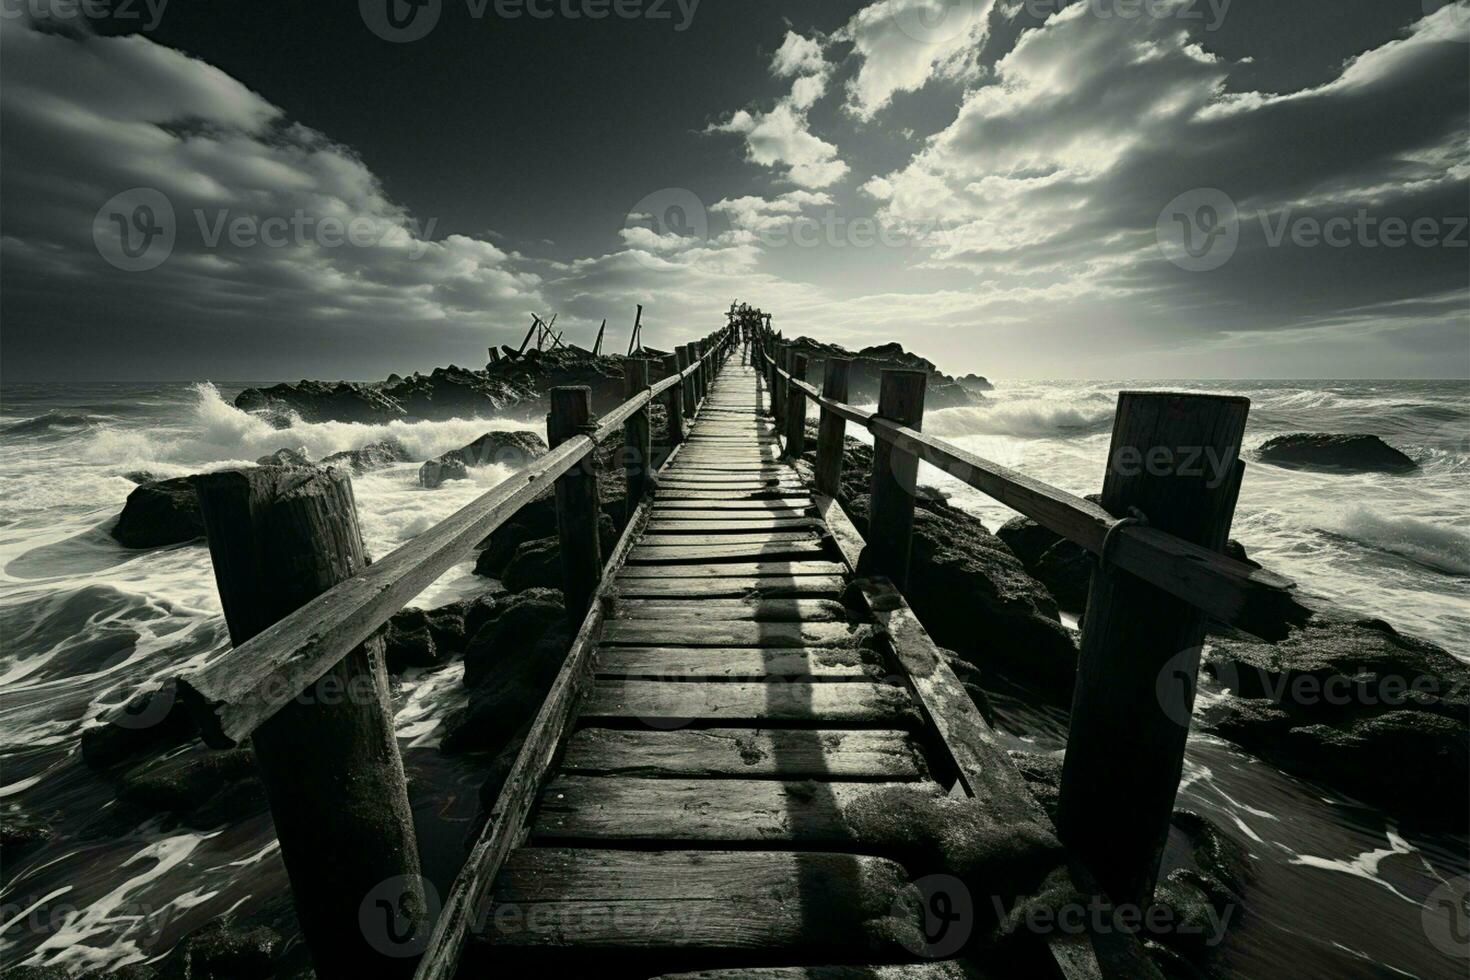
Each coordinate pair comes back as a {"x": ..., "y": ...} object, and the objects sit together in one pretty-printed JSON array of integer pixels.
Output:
[
  {"x": 437, "y": 472},
  {"x": 976, "y": 383},
  {"x": 971, "y": 677},
  {"x": 509, "y": 666},
  {"x": 193, "y": 784},
  {"x": 140, "y": 476},
  {"x": 161, "y": 513},
  {"x": 285, "y": 457},
  {"x": 223, "y": 950},
  {"x": 323, "y": 401},
  {"x": 1355, "y": 705},
  {"x": 150, "y": 720},
  {"x": 504, "y": 448},
  {"x": 433, "y": 638},
  {"x": 868, "y": 364},
  {"x": 537, "y": 564},
  {"x": 1351, "y": 452},
  {"x": 373, "y": 456},
  {"x": 537, "y": 520},
  {"x": 19, "y": 832}
]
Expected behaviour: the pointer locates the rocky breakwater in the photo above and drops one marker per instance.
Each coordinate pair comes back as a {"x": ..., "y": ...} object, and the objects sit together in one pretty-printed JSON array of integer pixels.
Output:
[
  {"x": 516, "y": 384},
  {"x": 865, "y": 376}
]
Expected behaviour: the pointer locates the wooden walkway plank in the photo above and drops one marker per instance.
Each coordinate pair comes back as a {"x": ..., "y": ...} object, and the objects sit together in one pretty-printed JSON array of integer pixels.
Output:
[
  {"x": 733, "y": 587},
  {"x": 674, "y": 704},
  {"x": 713, "y": 753},
  {"x": 738, "y": 664},
  {"x": 735, "y": 569},
  {"x": 759, "y": 610},
  {"x": 698, "y": 631}
]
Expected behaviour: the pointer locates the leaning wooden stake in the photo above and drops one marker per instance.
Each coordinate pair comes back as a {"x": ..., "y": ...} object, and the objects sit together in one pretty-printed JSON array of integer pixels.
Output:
[
  {"x": 577, "y": 504},
  {"x": 637, "y": 442},
  {"x": 279, "y": 537},
  {"x": 1174, "y": 458},
  {"x": 674, "y": 405},
  {"x": 597, "y": 346},
  {"x": 895, "y": 478},
  {"x": 832, "y": 428},
  {"x": 796, "y": 409},
  {"x": 635, "y": 339}
]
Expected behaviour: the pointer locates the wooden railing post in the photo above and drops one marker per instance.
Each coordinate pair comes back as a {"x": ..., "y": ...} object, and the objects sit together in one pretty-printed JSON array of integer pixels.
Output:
[
  {"x": 701, "y": 375},
  {"x": 674, "y": 403},
  {"x": 772, "y": 353},
  {"x": 686, "y": 358},
  {"x": 279, "y": 537},
  {"x": 796, "y": 409},
  {"x": 894, "y": 480},
  {"x": 577, "y": 504},
  {"x": 778, "y": 386},
  {"x": 832, "y": 429},
  {"x": 1173, "y": 458},
  {"x": 637, "y": 439}
]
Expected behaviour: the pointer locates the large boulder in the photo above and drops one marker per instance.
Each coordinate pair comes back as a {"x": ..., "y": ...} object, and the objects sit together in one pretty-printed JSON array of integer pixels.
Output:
[
  {"x": 865, "y": 375},
  {"x": 373, "y": 456},
  {"x": 432, "y": 638},
  {"x": 285, "y": 457},
  {"x": 537, "y": 564},
  {"x": 206, "y": 788},
  {"x": 323, "y": 401},
  {"x": 1320, "y": 450},
  {"x": 160, "y": 513},
  {"x": 506, "y": 448},
  {"x": 509, "y": 667},
  {"x": 1357, "y": 706}
]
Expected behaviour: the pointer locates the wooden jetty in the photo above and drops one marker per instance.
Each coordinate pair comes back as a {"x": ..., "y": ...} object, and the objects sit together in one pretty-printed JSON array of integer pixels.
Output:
[{"x": 746, "y": 678}]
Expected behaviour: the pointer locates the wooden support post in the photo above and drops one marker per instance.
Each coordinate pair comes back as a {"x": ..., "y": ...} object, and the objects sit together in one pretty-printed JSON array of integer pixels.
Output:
[
  {"x": 535, "y": 321},
  {"x": 674, "y": 407},
  {"x": 494, "y": 355},
  {"x": 577, "y": 503},
  {"x": 279, "y": 537},
  {"x": 778, "y": 387},
  {"x": 796, "y": 409},
  {"x": 700, "y": 376},
  {"x": 597, "y": 346},
  {"x": 637, "y": 440},
  {"x": 773, "y": 354},
  {"x": 894, "y": 480},
  {"x": 832, "y": 429},
  {"x": 686, "y": 357},
  {"x": 635, "y": 339},
  {"x": 1140, "y": 646}
]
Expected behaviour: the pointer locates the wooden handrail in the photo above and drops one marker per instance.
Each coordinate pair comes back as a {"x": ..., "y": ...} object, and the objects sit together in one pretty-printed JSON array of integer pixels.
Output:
[
  {"x": 236, "y": 692},
  {"x": 1253, "y": 599}
]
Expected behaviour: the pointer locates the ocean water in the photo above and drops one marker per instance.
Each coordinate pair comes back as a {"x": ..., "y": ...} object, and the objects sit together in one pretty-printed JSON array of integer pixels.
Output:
[{"x": 1338, "y": 890}]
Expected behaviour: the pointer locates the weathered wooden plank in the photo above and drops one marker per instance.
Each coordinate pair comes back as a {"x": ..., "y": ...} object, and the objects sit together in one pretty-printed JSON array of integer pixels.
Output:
[
  {"x": 746, "y": 753},
  {"x": 738, "y": 663},
  {"x": 745, "y": 525},
  {"x": 677, "y": 703},
  {"x": 730, "y": 539},
  {"x": 756, "y": 587},
  {"x": 941, "y": 970},
  {"x": 688, "y": 811},
  {"x": 778, "y": 550},
  {"x": 795, "y": 567},
  {"x": 776, "y": 493},
  {"x": 800, "y": 503},
  {"x": 695, "y": 631},
  {"x": 743, "y": 900},
  {"x": 757, "y": 610}
]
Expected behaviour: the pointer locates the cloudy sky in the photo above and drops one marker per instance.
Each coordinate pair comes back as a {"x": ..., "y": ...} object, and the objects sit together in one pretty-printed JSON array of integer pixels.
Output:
[{"x": 1022, "y": 188}]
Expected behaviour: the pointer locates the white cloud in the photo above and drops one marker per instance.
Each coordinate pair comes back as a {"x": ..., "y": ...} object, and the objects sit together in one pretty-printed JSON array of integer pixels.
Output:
[
  {"x": 903, "y": 44},
  {"x": 780, "y": 139}
]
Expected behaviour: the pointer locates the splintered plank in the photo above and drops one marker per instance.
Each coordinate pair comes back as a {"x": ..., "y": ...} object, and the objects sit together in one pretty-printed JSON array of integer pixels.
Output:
[
  {"x": 695, "y": 631},
  {"x": 749, "y": 753},
  {"x": 759, "y": 610},
  {"x": 715, "y": 811},
  {"x": 762, "y": 587},
  {"x": 687, "y": 553},
  {"x": 738, "y": 663},
  {"x": 742, "y": 900},
  {"x": 735, "y": 570},
  {"x": 678, "y": 703}
]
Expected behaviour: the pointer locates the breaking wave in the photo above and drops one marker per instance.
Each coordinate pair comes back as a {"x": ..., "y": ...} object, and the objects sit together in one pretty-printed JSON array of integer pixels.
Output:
[{"x": 1443, "y": 549}]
